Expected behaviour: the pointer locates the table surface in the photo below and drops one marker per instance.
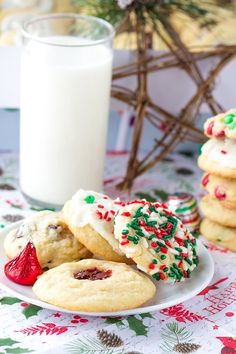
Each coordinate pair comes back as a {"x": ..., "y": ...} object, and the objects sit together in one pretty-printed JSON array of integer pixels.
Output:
[{"x": 204, "y": 324}]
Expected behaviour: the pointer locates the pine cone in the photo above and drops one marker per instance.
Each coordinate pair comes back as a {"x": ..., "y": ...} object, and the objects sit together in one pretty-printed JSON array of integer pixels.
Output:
[
  {"x": 186, "y": 347},
  {"x": 110, "y": 340}
]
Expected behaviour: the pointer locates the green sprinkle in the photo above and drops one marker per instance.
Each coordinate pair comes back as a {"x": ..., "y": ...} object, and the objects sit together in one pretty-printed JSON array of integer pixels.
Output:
[
  {"x": 186, "y": 243},
  {"x": 218, "y": 239},
  {"x": 188, "y": 261},
  {"x": 188, "y": 273},
  {"x": 140, "y": 233},
  {"x": 165, "y": 269},
  {"x": 178, "y": 249},
  {"x": 172, "y": 275},
  {"x": 156, "y": 276},
  {"x": 166, "y": 237},
  {"x": 232, "y": 125},
  {"x": 178, "y": 257},
  {"x": 151, "y": 237},
  {"x": 157, "y": 250},
  {"x": 228, "y": 119},
  {"x": 151, "y": 223},
  {"x": 161, "y": 244},
  {"x": 163, "y": 257},
  {"x": 125, "y": 232},
  {"x": 2, "y": 226},
  {"x": 154, "y": 261},
  {"x": 175, "y": 266},
  {"x": 152, "y": 208},
  {"x": 196, "y": 261},
  {"x": 89, "y": 199}
]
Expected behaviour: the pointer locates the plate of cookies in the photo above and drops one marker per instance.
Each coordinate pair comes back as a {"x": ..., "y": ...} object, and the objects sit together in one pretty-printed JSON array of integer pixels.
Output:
[{"x": 103, "y": 257}]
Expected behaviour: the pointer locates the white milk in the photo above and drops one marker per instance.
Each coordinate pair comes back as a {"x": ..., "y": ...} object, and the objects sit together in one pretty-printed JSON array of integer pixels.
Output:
[{"x": 65, "y": 95}]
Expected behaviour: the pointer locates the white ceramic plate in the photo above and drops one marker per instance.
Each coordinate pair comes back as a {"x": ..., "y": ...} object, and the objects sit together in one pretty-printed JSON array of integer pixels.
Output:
[{"x": 167, "y": 294}]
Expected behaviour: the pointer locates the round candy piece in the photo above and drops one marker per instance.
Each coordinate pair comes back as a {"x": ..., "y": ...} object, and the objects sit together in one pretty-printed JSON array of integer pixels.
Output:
[
  {"x": 184, "y": 205},
  {"x": 156, "y": 240}
]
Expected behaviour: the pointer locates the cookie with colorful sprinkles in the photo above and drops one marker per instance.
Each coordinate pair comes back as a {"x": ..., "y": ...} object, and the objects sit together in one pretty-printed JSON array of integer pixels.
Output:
[
  {"x": 222, "y": 125},
  {"x": 218, "y": 157},
  {"x": 156, "y": 240},
  {"x": 90, "y": 216}
]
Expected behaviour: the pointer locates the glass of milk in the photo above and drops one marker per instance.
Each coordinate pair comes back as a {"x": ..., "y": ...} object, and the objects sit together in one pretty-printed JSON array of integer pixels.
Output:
[{"x": 65, "y": 91}]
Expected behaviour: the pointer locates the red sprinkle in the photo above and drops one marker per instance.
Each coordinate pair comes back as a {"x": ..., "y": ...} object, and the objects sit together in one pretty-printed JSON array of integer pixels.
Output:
[
  {"x": 151, "y": 266},
  {"x": 179, "y": 241},
  {"x": 106, "y": 215},
  {"x": 154, "y": 244},
  {"x": 185, "y": 274},
  {"x": 126, "y": 213},
  {"x": 108, "y": 219},
  {"x": 223, "y": 152},
  {"x": 218, "y": 194},
  {"x": 221, "y": 134},
  {"x": 112, "y": 212},
  {"x": 99, "y": 214},
  {"x": 205, "y": 180},
  {"x": 210, "y": 128},
  {"x": 162, "y": 276},
  {"x": 163, "y": 266},
  {"x": 124, "y": 236},
  {"x": 142, "y": 223},
  {"x": 168, "y": 243},
  {"x": 119, "y": 203},
  {"x": 184, "y": 255},
  {"x": 180, "y": 264},
  {"x": 123, "y": 243},
  {"x": 100, "y": 206},
  {"x": 163, "y": 249}
]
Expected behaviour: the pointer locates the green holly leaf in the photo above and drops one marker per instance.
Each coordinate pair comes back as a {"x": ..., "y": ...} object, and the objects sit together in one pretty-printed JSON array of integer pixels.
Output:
[
  {"x": 31, "y": 310},
  {"x": 161, "y": 194},
  {"x": 146, "y": 315},
  {"x": 137, "y": 326},
  {"x": 116, "y": 321},
  {"x": 7, "y": 342},
  {"x": 18, "y": 350},
  {"x": 8, "y": 300}
]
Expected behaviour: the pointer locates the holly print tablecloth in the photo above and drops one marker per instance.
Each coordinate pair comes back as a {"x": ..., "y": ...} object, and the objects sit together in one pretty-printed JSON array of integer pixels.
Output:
[{"x": 204, "y": 324}]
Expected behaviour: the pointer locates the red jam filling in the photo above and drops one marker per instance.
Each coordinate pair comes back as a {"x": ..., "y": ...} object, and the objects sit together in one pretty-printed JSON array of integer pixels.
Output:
[
  {"x": 220, "y": 195},
  {"x": 93, "y": 274}
]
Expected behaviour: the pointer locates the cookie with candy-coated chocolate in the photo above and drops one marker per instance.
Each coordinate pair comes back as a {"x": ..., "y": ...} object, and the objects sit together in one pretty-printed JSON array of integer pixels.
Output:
[
  {"x": 90, "y": 217},
  {"x": 156, "y": 240},
  {"x": 220, "y": 188},
  {"x": 215, "y": 211},
  {"x": 219, "y": 157},
  {"x": 54, "y": 242},
  {"x": 222, "y": 235},
  {"x": 222, "y": 125},
  {"x": 93, "y": 285}
]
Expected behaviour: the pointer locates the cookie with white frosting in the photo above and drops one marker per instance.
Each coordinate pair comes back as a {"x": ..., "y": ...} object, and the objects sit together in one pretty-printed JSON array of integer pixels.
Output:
[
  {"x": 156, "y": 240},
  {"x": 221, "y": 188},
  {"x": 219, "y": 157},
  {"x": 222, "y": 125},
  {"x": 90, "y": 217}
]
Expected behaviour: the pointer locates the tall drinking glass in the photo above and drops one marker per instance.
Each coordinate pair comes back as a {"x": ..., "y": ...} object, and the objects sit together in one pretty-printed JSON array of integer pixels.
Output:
[{"x": 65, "y": 89}]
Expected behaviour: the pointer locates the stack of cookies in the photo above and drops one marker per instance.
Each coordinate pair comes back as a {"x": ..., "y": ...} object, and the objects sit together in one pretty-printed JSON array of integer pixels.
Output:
[{"x": 218, "y": 160}]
